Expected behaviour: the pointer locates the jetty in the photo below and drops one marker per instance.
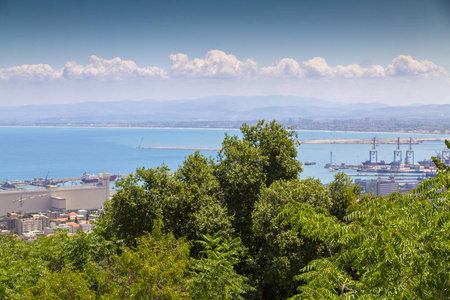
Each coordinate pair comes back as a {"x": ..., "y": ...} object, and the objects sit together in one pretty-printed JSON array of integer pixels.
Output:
[{"x": 179, "y": 148}]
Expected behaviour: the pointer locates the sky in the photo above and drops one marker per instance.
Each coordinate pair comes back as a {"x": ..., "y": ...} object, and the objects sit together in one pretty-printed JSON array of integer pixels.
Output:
[{"x": 394, "y": 52}]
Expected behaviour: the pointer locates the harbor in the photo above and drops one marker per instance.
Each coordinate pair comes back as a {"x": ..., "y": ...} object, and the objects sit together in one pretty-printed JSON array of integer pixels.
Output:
[
  {"x": 399, "y": 164},
  {"x": 48, "y": 183},
  {"x": 68, "y": 152},
  {"x": 370, "y": 140},
  {"x": 402, "y": 174}
]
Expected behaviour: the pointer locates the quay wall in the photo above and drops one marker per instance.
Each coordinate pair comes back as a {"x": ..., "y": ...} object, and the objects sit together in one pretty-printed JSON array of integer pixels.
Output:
[
  {"x": 62, "y": 198},
  {"x": 370, "y": 141}
]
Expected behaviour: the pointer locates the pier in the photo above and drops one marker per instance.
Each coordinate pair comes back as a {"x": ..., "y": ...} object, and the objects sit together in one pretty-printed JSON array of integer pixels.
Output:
[
  {"x": 379, "y": 140},
  {"x": 179, "y": 148}
]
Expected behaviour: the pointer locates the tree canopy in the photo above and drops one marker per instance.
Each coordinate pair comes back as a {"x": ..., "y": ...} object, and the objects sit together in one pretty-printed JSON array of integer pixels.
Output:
[{"x": 243, "y": 225}]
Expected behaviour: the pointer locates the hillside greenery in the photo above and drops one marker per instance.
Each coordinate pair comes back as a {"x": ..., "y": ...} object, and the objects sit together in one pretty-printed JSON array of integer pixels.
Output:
[{"x": 243, "y": 225}]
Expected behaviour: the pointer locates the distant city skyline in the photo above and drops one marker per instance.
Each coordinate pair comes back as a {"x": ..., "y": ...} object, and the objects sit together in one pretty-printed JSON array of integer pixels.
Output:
[{"x": 394, "y": 52}]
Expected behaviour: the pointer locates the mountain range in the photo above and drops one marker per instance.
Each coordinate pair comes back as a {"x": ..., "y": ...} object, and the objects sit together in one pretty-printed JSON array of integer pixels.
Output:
[{"x": 219, "y": 108}]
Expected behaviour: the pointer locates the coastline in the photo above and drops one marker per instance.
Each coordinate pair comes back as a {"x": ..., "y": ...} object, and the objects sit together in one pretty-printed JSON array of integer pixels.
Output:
[{"x": 440, "y": 135}]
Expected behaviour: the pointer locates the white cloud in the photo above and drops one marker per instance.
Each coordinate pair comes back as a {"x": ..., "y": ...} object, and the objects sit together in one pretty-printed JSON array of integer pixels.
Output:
[
  {"x": 404, "y": 65},
  {"x": 220, "y": 65},
  {"x": 215, "y": 64},
  {"x": 317, "y": 67},
  {"x": 41, "y": 72},
  {"x": 287, "y": 67},
  {"x": 356, "y": 71},
  {"x": 115, "y": 69}
]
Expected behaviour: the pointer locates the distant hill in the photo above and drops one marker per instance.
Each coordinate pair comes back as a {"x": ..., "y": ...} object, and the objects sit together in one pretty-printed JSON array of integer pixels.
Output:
[{"x": 220, "y": 108}]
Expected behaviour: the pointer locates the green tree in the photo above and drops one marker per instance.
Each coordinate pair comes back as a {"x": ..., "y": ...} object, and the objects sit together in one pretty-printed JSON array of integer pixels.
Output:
[
  {"x": 278, "y": 145},
  {"x": 157, "y": 268},
  {"x": 140, "y": 199},
  {"x": 213, "y": 274},
  {"x": 343, "y": 195},
  {"x": 189, "y": 201},
  {"x": 278, "y": 251},
  {"x": 19, "y": 270},
  {"x": 394, "y": 247},
  {"x": 51, "y": 267},
  {"x": 204, "y": 210},
  {"x": 61, "y": 285},
  {"x": 266, "y": 153}
]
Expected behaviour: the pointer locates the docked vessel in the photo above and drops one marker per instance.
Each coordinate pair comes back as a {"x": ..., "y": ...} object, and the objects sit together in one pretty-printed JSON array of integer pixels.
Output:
[
  {"x": 8, "y": 185},
  {"x": 88, "y": 178}
]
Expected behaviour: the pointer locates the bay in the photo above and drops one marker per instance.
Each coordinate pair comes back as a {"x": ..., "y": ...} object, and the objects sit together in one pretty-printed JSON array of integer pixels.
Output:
[{"x": 66, "y": 152}]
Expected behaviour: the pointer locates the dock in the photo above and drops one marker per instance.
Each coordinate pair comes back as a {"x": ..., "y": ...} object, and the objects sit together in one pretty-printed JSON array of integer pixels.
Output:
[
  {"x": 40, "y": 182},
  {"x": 378, "y": 140}
]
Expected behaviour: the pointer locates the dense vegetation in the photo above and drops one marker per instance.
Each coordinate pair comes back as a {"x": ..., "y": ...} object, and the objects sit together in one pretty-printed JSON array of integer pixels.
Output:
[{"x": 244, "y": 226}]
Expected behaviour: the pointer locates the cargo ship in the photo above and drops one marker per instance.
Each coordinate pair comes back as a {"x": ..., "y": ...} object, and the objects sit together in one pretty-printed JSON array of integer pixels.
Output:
[{"x": 90, "y": 178}]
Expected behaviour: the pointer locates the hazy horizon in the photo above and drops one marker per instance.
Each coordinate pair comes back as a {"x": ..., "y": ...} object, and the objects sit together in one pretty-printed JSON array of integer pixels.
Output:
[
  {"x": 391, "y": 52},
  {"x": 218, "y": 96}
]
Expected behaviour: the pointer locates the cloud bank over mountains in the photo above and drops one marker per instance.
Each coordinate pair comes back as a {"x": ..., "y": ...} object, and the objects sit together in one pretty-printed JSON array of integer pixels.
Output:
[{"x": 220, "y": 65}]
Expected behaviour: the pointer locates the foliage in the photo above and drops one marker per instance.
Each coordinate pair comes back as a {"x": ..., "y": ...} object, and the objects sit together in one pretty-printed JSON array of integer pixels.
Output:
[
  {"x": 391, "y": 248},
  {"x": 243, "y": 226},
  {"x": 66, "y": 284},
  {"x": 18, "y": 269},
  {"x": 266, "y": 153},
  {"x": 343, "y": 195},
  {"x": 204, "y": 210},
  {"x": 189, "y": 202},
  {"x": 278, "y": 252},
  {"x": 213, "y": 274},
  {"x": 137, "y": 204},
  {"x": 76, "y": 251},
  {"x": 156, "y": 268},
  {"x": 278, "y": 146},
  {"x": 439, "y": 186}
]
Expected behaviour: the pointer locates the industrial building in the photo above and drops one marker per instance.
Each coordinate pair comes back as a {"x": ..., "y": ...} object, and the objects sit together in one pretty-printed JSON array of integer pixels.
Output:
[
  {"x": 380, "y": 187},
  {"x": 55, "y": 198}
]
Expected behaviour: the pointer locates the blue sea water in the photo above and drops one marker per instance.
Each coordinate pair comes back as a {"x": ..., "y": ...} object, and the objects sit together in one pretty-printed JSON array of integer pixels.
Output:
[{"x": 32, "y": 152}]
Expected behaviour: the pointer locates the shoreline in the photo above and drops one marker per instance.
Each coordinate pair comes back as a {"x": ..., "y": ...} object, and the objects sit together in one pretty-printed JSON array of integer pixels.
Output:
[{"x": 217, "y": 128}]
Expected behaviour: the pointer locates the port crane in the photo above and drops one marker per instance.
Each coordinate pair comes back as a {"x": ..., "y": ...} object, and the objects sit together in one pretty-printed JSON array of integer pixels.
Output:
[
  {"x": 46, "y": 179},
  {"x": 21, "y": 199},
  {"x": 409, "y": 159},
  {"x": 140, "y": 144},
  {"x": 398, "y": 153},
  {"x": 373, "y": 153}
]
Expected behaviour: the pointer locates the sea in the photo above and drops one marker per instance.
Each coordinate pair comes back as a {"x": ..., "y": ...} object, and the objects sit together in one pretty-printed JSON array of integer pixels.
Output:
[{"x": 67, "y": 152}]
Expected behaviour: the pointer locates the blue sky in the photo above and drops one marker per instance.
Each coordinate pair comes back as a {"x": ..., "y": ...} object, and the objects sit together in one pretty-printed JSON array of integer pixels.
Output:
[{"x": 355, "y": 51}]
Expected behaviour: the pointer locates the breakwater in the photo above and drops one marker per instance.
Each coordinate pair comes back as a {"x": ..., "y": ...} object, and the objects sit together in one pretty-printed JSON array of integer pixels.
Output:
[{"x": 180, "y": 148}]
